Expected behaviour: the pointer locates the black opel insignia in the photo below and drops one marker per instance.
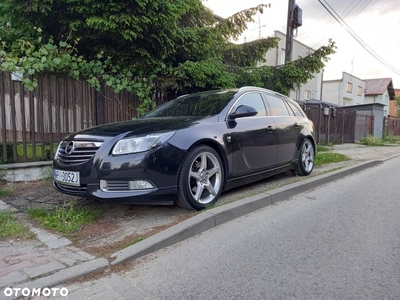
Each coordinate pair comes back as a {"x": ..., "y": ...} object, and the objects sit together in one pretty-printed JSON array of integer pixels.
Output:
[{"x": 194, "y": 147}]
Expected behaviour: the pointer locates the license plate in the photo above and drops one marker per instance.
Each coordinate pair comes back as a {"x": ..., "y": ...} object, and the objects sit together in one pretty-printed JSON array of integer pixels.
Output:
[{"x": 67, "y": 177}]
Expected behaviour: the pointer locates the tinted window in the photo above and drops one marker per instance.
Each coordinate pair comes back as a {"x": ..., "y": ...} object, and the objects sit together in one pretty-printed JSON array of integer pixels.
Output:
[
  {"x": 297, "y": 110},
  {"x": 254, "y": 100},
  {"x": 277, "y": 107},
  {"x": 291, "y": 112},
  {"x": 200, "y": 104}
]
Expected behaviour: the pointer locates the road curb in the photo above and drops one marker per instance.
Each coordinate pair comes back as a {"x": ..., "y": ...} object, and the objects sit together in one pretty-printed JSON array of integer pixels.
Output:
[
  {"x": 293, "y": 189},
  {"x": 224, "y": 213},
  {"x": 167, "y": 237}
]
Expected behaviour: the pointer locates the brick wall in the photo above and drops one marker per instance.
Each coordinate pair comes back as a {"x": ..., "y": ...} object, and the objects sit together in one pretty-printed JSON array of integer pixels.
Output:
[{"x": 393, "y": 108}]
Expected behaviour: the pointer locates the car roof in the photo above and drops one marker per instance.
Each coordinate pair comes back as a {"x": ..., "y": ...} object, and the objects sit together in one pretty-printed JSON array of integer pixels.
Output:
[
  {"x": 245, "y": 89},
  {"x": 254, "y": 88}
]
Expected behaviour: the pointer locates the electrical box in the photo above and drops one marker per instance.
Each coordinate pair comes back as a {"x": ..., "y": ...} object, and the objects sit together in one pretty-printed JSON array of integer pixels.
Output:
[
  {"x": 297, "y": 17},
  {"x": 326, "y": 111}
]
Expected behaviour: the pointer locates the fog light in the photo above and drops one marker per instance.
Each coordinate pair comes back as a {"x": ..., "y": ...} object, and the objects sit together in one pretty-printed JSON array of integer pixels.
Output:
[
  {"x": 103, "y": 185},
  {"x": 139, "y": 185}
]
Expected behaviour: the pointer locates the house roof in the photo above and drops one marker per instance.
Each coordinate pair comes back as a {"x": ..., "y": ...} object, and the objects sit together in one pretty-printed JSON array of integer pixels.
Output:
[{"x": 378, "y": 86}]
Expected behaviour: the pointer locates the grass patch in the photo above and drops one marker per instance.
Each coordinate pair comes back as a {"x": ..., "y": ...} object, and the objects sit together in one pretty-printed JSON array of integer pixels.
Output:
[
  {"x": 39, "y": 150},
  {"x": 66, "y": 220},
  {"x": 47, "y": 174},
  {"x": 329, "y": 157},
  {"x": 3, "y": 172},
  {"x": 11, "y": 228},
  {"x": 41, "y": 153},
  {"x": 371, "y": 141},
  {"x": 323, "y": 148},
  {"x": 391, "y": 139},
  {"x": 4, "y": 189},
  {"x": 4, "y": 192}
]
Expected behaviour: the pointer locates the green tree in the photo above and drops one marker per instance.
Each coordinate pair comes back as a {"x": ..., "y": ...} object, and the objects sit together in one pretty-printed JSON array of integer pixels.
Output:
[{"x": 143, "y": 46}]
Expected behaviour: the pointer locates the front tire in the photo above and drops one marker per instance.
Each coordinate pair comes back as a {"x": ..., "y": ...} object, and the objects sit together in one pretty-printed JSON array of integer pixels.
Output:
[
  {"x": 201, "y": 179},
  {"x": 306, "y": 158}
]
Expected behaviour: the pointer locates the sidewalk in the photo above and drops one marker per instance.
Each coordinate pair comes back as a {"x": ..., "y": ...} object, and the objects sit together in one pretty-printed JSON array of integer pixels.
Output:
[{"x": 50, "y": 261}]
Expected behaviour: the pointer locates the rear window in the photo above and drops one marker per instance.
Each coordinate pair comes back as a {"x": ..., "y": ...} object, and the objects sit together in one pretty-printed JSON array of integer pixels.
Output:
[
  {"x": 296, "y": 109},
  {"x": 277, "y": 107}
]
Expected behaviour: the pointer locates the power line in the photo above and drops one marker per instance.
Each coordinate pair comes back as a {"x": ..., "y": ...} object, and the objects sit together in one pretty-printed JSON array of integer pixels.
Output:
[
  {"x": 316, "y": 45},
  {"x": 348, "y": 6},
  {"x": 333, "y": 13},
  {"x": 359, "y": 10},
  {"x": 352, "y": 9}
]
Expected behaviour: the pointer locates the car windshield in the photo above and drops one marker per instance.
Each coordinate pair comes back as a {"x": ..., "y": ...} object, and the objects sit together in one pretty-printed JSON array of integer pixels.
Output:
[{"x": 197, "y": 105}]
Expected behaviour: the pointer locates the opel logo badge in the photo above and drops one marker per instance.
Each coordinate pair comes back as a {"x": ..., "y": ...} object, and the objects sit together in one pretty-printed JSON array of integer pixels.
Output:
[{"x": 70, "y": 147}]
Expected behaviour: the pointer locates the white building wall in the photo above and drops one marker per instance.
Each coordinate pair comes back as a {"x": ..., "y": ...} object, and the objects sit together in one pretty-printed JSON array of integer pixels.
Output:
[
  {"x": 331, "y": 92},
  {"x": 384, "y": 99},
  {"x": 276, "y": 57},
  {"x": 271, "y": 57},
  {"x": 347, "y": 91},
  {"x": 355, "y": 93}
]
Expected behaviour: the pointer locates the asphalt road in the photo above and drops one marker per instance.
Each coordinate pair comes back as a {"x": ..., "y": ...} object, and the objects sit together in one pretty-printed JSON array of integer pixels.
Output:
[{"x": 340, "y": 241}]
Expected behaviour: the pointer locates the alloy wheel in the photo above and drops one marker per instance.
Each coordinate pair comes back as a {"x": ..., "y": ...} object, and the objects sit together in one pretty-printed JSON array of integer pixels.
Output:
[
  {"x": 205, "y": 178},
  {"x": 307, "y": 156}
]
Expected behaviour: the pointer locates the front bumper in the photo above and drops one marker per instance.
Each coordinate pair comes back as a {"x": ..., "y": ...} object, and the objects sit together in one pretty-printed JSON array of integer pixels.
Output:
[
  {"x": 164, "y": 196},
  {"x": 159, "y": 166}
]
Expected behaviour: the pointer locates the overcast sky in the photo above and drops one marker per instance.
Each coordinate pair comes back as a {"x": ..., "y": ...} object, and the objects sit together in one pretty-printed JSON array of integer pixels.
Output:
[{"x": 376, "y": 22}]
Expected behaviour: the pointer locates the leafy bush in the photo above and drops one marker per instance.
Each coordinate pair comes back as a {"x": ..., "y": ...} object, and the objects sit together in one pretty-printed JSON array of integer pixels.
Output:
[
  {"x": 371, "y": 141},
  {"x": 391, "y": 139},
  {"x": 10, "y": 153}
]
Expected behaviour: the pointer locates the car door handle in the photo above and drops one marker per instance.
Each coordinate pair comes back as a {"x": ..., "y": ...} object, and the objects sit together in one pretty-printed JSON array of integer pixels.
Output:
[{"x": 270, "y": 128}]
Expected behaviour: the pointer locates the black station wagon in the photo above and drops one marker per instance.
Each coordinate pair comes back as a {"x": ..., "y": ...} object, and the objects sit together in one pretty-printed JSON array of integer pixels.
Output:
[{"x": 194, "y": 147}]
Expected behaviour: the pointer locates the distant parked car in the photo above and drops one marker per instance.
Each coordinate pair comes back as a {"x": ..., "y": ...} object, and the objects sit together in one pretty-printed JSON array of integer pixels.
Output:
[{"x": 194, "y": 147}]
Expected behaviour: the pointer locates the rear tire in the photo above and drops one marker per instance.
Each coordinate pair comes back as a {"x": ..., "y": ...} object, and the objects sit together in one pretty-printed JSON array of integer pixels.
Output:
[
  {"x": 201, "y": 179},
  {"x": 306, "y": 158}
]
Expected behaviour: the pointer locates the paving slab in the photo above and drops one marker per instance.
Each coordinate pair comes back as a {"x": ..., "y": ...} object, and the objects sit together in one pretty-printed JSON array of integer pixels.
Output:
[{"x": 44, "y": 269}]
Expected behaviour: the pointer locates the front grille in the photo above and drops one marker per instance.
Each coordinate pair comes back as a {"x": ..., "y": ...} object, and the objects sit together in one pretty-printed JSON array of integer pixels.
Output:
[
  {"x": 117, "y": 185},
  {"x": 72, "y": 189},
  {"x": 76, "y": 152}
]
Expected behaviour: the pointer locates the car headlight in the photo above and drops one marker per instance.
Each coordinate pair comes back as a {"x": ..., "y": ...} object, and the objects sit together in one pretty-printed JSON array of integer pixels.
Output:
[
  {"x": 140, "y": 144},
  {"x": 58, "y": 150}
]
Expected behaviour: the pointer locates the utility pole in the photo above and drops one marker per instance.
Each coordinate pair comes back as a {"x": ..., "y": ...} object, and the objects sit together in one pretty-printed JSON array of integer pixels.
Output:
[{"x": 294, "y": 20}]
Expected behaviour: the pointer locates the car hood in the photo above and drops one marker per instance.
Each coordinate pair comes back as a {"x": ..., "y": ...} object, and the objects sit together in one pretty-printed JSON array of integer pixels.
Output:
[{"x": 141, "y": 126}]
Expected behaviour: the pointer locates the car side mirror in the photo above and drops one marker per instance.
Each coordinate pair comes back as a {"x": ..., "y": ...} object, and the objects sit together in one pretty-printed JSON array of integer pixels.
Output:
[{"x": 242, "y": 111}]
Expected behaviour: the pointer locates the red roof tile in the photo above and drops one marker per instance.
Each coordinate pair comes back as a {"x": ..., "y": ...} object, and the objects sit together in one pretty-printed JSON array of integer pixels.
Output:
[{"x": 377, "y": 86}]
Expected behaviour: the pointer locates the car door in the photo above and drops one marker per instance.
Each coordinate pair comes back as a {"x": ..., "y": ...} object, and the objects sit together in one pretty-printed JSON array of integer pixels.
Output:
[
  {"x": 253, "y": 139},
  {"x": 288, "y": 129}
]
